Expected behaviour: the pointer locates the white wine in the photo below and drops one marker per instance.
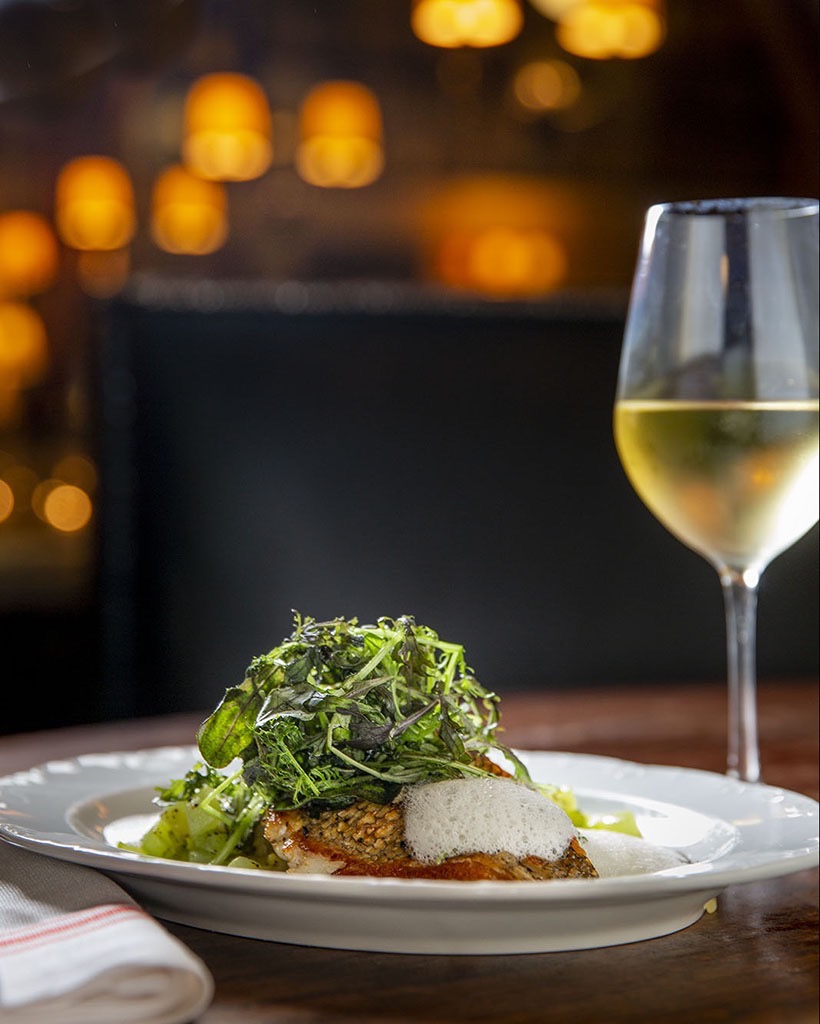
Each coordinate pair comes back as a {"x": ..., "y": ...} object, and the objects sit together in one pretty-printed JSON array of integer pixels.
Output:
[{"x": 735, "y": 481}]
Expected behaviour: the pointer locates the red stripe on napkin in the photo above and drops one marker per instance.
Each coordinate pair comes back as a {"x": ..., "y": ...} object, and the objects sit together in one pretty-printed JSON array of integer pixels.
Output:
[{"x": 57, "y": 928}]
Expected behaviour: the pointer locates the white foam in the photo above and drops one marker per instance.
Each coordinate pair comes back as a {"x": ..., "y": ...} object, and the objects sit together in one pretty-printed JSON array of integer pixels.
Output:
[
  {"x": 483, "y": 815},
  {"x": 614, "y": 854}
]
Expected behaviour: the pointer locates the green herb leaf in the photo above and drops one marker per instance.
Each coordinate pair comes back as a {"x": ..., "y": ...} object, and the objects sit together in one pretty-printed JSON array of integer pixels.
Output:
[{"x": 339, "y": 712}]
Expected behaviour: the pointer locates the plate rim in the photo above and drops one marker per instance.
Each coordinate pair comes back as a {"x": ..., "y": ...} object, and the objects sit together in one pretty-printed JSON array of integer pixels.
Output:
[{"x": 704, "y": 876}]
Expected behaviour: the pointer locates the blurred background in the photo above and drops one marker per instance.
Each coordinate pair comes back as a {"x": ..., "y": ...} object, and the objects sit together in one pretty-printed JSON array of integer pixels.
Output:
[{"x": 318, "y": 306}]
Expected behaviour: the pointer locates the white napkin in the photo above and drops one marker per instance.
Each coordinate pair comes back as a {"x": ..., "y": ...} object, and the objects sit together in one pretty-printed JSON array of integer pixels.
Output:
[{"x": 76, "y": 949}]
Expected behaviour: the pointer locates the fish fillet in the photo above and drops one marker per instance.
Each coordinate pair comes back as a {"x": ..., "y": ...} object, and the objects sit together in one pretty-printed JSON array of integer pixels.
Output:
[{"x": 368, "y": 839}]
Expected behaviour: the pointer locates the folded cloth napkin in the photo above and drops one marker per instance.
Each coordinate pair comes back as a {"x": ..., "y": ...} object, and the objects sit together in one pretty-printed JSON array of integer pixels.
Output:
[{"x": 76, "y": 949}]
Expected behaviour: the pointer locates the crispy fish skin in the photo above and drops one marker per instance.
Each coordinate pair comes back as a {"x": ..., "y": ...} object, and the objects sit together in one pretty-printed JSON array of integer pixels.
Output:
[{"x": 368, "y": 839}]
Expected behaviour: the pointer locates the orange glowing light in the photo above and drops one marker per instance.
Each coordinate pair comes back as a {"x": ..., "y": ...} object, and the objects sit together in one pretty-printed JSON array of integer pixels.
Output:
[
  {"x": 545, "y": 85},
  {"x": 6, "y": 501},
  {"x": 500, "y": 236},
  {"x": 340, "y": 136},
  {"x": 605, "y": 29},
  {"x": 477, "y": 23},
  {"x": 23, "y": 345},
  {"x": 67, "y": 508},
  {"x": 512, "y": 262},
  {"x": 227, "y": 133},
  {"x": 502, "y": 262},
  {"x": 28, "y": 254},
  {"x": 94, "y": 204},
  {"x": 188, "y": 215}
]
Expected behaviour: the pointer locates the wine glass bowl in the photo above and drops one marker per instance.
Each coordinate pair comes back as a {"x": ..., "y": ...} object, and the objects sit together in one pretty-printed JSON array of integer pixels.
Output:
[{"x": 716, "y": 411}]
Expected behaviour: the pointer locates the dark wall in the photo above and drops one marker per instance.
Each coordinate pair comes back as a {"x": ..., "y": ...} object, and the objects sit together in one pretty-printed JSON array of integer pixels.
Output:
[{"x": 451, "y": 462}]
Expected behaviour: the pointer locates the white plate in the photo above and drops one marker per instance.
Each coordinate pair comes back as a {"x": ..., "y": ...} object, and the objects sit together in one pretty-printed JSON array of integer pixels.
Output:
[{"x": 730, "y": 832}]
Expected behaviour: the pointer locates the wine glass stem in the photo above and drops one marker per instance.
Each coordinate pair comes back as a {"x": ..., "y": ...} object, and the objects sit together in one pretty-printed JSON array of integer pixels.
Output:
[{"x": 740, "y": 599}]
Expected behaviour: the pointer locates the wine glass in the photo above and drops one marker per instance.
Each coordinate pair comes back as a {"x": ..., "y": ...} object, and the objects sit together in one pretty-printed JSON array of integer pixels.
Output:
[{"x": 716, "y": 411}]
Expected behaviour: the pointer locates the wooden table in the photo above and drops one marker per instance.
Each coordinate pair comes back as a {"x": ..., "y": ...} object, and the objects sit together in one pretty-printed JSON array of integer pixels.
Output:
[{"x": 755, "y": 960}]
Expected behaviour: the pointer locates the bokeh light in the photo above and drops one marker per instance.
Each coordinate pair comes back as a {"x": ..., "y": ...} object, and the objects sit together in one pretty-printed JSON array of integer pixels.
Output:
[
  {"x": 606, "y": 29},
  {"x": 227, "y": 134},
  {"x": 29, "y": 254},
  {"x": 544, "y": 85},
  {"x": 66, "y": 507},
  {"x": 188, "y": 214},
  {"x": 497, "y": 235},
  {"x": 340, "y": 136},
  {"x": 6, "y": 501},
  {"x": 478, "y": 23},
  {"x": 94, "y": 204},
  {"x": 23, "y": 345}
]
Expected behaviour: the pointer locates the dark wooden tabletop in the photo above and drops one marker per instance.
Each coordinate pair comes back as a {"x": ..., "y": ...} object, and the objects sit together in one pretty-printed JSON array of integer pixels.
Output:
[{"x": 754, "y": 960}]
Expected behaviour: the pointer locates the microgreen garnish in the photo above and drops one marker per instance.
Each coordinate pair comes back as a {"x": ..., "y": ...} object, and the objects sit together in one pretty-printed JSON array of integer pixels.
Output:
[{"x": 340, "y": 712}]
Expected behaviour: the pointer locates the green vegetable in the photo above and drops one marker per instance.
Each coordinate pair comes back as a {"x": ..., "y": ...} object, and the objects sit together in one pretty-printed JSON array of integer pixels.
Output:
[
  {"x": 207, "y": 817},
  {"x": 618, "y": 821},
  {"x": 336, "y": 713},
  {"x": 341, "y": 712}
]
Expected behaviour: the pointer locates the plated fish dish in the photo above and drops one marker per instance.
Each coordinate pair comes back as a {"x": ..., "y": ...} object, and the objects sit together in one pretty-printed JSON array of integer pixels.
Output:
[{"x": 369, "y": 750}]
